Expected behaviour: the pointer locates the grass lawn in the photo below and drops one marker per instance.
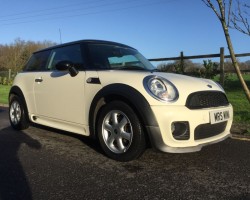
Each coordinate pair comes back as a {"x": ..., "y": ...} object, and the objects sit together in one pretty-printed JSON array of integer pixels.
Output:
[
  {"x": 238, "y": 99},
  {"x": 233, "y": 89},
  {"x": 4, "y": 93}
]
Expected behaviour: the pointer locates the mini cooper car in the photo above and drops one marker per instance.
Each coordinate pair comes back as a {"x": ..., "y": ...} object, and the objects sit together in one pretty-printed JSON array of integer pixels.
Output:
[{"x": 109, "y": 91}]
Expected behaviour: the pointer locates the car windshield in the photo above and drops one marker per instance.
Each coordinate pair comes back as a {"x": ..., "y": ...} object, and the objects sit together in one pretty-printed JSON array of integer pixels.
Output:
[{"x": 104, "y": 56}]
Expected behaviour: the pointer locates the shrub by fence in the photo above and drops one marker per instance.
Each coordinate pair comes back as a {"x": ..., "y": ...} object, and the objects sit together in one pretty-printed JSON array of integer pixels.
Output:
[{"x": 6, "y": 77}]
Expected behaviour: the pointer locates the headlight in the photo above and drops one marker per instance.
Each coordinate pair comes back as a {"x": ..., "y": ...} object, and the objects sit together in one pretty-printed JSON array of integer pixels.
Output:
[{"x": 160, "y": 88}]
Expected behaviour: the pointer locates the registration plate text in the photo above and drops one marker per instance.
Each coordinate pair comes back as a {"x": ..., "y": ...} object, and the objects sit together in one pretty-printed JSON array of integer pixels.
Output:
[{"x": 219, "y": 116}]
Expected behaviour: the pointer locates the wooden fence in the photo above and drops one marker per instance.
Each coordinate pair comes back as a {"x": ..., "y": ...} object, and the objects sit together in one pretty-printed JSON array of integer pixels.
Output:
[{"x": 220, "y": 55}]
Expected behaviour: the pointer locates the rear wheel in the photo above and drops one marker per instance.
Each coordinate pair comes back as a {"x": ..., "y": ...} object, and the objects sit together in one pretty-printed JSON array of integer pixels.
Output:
[
  {"x": 120, "y": 132},
  {"x": 17, "y": 114}
]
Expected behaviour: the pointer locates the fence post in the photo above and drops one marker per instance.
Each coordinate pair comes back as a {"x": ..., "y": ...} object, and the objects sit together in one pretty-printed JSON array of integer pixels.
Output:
[
  {"x": 9, "y": 74},
  {"x": 222, "y": 72},
  {"x": 182, "y": 62}
]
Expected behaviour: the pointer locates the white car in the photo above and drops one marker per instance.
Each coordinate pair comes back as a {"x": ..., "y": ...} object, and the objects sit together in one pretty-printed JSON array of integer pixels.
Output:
[{"x": 109, "y": 91}]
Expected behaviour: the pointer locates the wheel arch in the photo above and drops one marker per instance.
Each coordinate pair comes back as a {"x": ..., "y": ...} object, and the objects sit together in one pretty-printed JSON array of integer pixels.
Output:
[
  {"x": 15, "y": 90},
  {"x": 126, "y": 94}
]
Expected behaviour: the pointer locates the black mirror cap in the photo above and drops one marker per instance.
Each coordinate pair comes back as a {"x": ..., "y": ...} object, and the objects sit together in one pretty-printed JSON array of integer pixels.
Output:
[
  {"x": 67, "y": 65},
  {"x": 73, "y": 71},
  {"x": 63, "y": 65}
]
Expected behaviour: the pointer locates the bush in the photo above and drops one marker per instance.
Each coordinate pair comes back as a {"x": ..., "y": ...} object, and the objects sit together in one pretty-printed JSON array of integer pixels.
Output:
[
  {"x": 5, "y": 81},
  {"x": 209, "y": 70}
]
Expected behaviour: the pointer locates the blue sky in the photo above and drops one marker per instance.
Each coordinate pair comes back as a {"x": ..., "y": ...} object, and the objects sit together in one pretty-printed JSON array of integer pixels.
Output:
[{"x": 157, "y": 28}]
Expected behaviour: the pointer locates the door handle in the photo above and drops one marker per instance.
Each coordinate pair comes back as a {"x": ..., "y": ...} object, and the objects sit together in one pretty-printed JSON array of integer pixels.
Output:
[{"x": 39, "y": 80}]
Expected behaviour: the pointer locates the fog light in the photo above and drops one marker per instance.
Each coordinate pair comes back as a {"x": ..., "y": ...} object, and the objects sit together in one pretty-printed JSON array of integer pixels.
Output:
[{"x": 180, "y": 130}]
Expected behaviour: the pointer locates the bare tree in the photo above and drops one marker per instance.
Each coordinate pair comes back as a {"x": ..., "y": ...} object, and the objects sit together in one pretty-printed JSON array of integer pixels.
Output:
[
  {"x": 224, "y": 15},
  {"x": 239, "y": 18}
]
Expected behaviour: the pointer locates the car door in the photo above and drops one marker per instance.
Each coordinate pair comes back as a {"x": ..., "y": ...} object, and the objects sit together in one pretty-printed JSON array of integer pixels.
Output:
[
  {"x": 35, "y": 65},
  {"x": 59, "y": 96}
]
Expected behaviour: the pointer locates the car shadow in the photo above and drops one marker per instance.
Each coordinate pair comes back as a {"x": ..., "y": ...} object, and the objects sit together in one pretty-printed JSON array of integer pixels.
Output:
[
  {"x": 2, "y": 109},
  {"x": 14, "y": 183},
  {"x": 90, "y": 142}
]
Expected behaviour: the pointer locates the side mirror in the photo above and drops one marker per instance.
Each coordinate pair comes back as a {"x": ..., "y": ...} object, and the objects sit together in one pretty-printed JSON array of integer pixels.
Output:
[{"x": 67, "y": 65}]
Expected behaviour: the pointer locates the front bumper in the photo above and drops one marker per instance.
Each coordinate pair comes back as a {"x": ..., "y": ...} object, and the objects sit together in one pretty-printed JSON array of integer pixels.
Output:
[{"x": 162, "y": 139}]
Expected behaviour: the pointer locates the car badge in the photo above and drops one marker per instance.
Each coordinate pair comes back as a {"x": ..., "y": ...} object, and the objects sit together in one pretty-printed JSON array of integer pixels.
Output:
[{"x": 210, "y": 86}]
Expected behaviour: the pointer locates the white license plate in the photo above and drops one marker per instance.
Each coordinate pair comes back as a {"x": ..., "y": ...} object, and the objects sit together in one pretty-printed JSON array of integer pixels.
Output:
[{"x": 219, "y": 116}]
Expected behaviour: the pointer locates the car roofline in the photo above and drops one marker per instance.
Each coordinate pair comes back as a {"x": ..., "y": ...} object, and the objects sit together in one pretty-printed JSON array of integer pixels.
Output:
[{"x": 89, "y": 41}]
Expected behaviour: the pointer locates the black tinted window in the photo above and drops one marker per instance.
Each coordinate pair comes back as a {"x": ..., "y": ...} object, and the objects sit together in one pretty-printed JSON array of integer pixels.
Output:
[
  {"x": 38, "y": 61},
  {"x": 70, "y": 53},
  {"x": 105, "y": 56}
]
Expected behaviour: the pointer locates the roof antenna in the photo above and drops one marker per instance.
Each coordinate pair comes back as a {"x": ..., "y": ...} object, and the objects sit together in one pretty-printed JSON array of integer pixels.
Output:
[{"x": 60, "y": 36}]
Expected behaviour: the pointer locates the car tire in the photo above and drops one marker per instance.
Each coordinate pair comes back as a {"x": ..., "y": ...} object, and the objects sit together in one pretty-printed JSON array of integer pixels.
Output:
[
  {"x": 18, "y": 115},
  {"x": 120, "y": 132}
]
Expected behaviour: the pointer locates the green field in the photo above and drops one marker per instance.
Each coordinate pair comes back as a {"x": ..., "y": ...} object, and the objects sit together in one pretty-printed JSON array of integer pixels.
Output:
[
  {"x": 238, "y": 99},
  {"x": 232, "y": 86},
  {"x": 4, "y": 92}
]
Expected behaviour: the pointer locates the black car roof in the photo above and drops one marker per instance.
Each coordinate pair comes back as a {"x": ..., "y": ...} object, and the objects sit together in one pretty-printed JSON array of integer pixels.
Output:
[{"x": 86, "y": 42}]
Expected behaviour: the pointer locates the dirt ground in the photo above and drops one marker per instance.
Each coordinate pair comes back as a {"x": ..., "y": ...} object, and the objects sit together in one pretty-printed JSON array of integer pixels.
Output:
[{"x": 241, "y": 129}]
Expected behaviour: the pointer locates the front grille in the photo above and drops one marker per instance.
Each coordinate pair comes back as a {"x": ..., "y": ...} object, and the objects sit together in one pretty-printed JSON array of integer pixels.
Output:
[
  {"x": 209, "y": 130},
  {"x": 206, "y": 99}
]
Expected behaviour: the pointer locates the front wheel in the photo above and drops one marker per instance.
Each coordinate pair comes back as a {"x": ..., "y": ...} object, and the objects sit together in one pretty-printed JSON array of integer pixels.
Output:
[
  {"x": 120, "y": 132},
  {"x": 17, "y": 114}
]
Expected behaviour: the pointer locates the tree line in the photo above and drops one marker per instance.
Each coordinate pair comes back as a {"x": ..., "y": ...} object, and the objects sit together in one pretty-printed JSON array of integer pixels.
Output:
[{"x": 14, "y": 56}]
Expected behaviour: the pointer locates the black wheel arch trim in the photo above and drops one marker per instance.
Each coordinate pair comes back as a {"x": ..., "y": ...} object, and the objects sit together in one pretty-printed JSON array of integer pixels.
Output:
[
  {"x": 17, "y": 91},
  {"x": 124, "y": 93}
]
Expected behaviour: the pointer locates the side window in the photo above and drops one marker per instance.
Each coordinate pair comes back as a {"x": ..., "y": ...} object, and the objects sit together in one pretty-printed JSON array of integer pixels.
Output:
[
  {"x": 37, "y": 61},
  {"x": 98, "y": 54},
  {"x": 68, "y": 53}
]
